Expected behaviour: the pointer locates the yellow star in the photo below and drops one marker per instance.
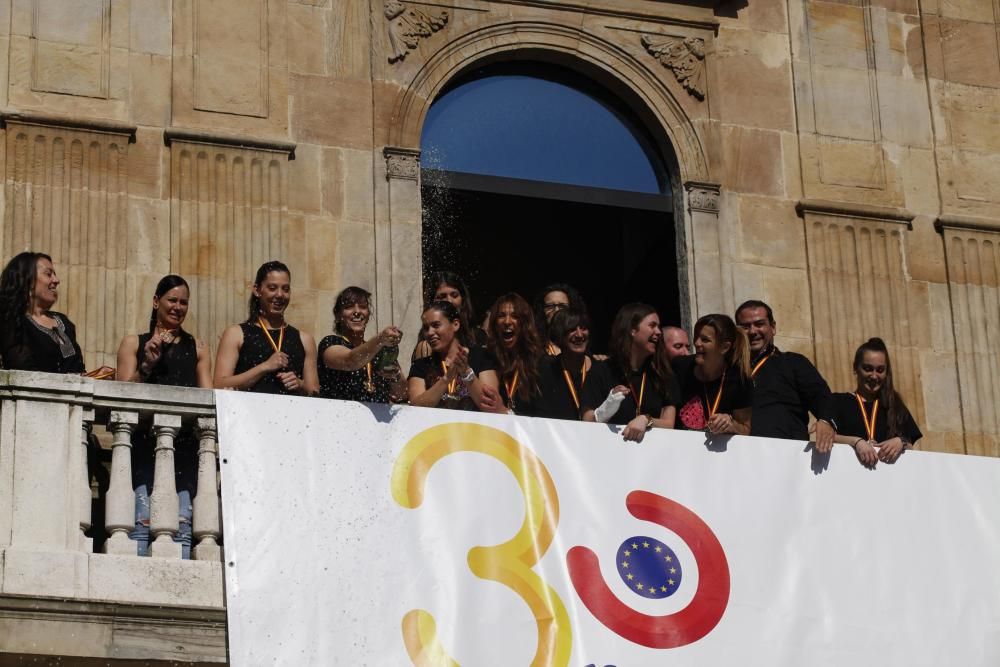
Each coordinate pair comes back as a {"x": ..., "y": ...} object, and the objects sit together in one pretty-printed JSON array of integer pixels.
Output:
[
  {"x": 663, "y": 588},
  {"x": 673, "y": 570},
  {"x": 639, "y": 585},
  {"x": 659, "y": 549},
  {"x": 670, "y": 582},
  {"x": 668, "y": 559},
  {"x": 628, "y": 553},
  {"x": 629, "y": 576},
  {"x": 645, "y": 545},
  {"x": 624, "y": 563},
  {"x": 635, "y": 546}
]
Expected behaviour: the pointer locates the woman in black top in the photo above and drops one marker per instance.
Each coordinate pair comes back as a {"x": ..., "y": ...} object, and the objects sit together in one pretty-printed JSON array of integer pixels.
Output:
[
  {"x": 455, "y": 376},
  {"x": 517, "y": 348},
  {"x": 562, "y": 377},
  {"x": 874, "y": 419},
  {"x": 34, "y": 337},
  {"x": 716, "y": 385},
  {"x": 350, "y": 368},
  {"x": 635, "y": 386},
  {"x": 449, "y": 286},
  {"x": 548, "y": 302},
  {"x": 166, "y": 354},
  {"x": 265, "y": 354}
]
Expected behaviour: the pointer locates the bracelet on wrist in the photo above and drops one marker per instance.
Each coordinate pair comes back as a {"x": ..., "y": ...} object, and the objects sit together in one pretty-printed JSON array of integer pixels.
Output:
[{"x": 469, "y": 376}]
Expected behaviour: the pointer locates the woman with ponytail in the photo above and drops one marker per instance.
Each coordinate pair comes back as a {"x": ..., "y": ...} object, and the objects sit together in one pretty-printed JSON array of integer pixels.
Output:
[
  {"x": 716, "y": 385},
  {"x": 874, "y": 419},
  {"x": 166, "y": 353},
  {"x": 265, "y": 354}
]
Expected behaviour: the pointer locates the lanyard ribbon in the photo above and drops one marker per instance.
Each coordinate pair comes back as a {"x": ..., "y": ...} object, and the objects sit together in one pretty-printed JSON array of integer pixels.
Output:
[
  {"x": 714, "y": 406},
  {"x": 572, "y": 388},
  {"x": 869, "y": 423},
  {"x": 453, "y": 383},
  {"x": 642, "y": 392},
  {"x": 759, "y": 365},
  {"x": 512, "y": 387},
  {"x": 270, "y": 339}
]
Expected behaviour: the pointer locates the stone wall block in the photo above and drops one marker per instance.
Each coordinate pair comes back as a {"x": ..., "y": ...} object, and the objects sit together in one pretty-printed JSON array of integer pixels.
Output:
[
  {"x": 754, "y": 86},
  {"x": 752, "y": 161},
  {"x": 67, "y": 195},
  {"x": 304, "y": 178},
  {"x": 307, "y": 50},
  {"x": 228, "y": 209},
  {"x": 332, "y": 182},
  {"x": 787, "y": 292},
  {"x": 151, "y": 27},
  {"x": 150, "y": 91},
  {"x": 970, "y": 52},
  {"x": 321, "y": 245},
  {"x": 331, "y": 112},
  {"x": 859, "y": 288},
  {"x": 770, "y": 232},
  {"x": 973, "y": 258}
]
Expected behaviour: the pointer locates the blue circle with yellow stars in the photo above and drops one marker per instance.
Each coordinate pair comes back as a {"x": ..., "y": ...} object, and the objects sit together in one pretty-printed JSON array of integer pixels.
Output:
[{"x": 649, "y": 567}]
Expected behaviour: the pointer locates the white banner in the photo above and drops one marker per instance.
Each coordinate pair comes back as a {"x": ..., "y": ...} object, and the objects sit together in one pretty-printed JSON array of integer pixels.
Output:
[{"x": 364, "y": 535}]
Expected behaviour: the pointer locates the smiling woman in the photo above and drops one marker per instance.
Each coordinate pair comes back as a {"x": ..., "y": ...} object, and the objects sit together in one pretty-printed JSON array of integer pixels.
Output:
[
  {"x": 265, "y": 354},
  {"x": 35, "y": 337}
]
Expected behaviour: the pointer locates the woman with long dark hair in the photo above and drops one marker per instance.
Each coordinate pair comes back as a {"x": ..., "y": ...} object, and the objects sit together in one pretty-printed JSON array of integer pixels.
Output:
[
  {"x": 515, "y": 344},
  {"x": 716, "y": 384},
  {"x": 351, "y": 368},
  {"x": 449, "y": 286},
  {"x": 166, "y": 354},
  {"x": 35, "y": 337},
  {"x": 874, "y": 419},
  {"x": 549, "y": 301},
  {"x": 455, "y": 375},
  {"x": 266, "y": 354},
  {"x": 563, "y": 376},
  {"x": 635, "y": 386}
]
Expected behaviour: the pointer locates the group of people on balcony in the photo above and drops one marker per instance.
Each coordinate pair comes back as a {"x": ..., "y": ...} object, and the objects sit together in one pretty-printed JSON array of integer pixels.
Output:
[{"x": 522, "y": 360}]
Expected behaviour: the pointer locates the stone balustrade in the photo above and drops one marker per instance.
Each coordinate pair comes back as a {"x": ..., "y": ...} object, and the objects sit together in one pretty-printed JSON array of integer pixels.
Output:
[{"x": 52, "y": 579}]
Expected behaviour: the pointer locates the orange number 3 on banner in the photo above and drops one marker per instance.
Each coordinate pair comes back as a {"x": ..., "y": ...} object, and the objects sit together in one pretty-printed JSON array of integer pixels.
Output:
[{"x": 509, "y": 563}]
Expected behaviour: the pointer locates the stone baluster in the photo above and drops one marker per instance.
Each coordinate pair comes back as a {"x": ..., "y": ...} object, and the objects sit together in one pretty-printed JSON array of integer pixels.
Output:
[
  {"x": 206, "y": 501},
  {"x": 85, "y": 501},
  {"x": 120, "y": 508},
  {"x": 164, "y": 506}
]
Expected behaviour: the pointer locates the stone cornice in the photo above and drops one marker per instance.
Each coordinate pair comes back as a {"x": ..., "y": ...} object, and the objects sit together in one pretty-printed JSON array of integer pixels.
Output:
[
  {"x": 710, "y": 24},
  {"x": 69, "y": 123},
  {"x": 967, "y": 223},
  {"x": 172, "y": 134},
  {"x": 854, "y": 210}
]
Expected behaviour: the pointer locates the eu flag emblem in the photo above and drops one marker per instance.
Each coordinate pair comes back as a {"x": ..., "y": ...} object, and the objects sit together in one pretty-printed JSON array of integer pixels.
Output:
[{"x": 649, "y": 567}]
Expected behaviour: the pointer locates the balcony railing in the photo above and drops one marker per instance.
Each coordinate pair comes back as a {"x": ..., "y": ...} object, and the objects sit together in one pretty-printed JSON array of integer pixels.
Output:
[{"x": 117, "y": 604}]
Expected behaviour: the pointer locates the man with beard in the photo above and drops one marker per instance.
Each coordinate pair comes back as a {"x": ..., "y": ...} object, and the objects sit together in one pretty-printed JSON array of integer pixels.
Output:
[{"x": 787, "y": 387}]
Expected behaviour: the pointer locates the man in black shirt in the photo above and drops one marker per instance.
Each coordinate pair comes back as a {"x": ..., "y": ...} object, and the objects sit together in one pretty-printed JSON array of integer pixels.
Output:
[{"x": 787, "y": 387}]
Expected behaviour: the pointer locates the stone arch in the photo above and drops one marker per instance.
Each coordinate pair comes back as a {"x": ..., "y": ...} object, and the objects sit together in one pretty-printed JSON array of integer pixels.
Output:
[{"x": 569, "y": 46}]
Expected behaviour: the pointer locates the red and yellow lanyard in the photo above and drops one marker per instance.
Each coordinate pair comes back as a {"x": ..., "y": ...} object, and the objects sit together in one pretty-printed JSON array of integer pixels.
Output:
[
  {"x": 453, "y": 383},
  {"x": 512, "y": 387},
  {"x": 572, "y": 388},
  {"x": 714, "y": 406},
  {"x": 642, "y": 392},
  {"x": 869, "y": 423},
  {"x": 759, "y": 365}
]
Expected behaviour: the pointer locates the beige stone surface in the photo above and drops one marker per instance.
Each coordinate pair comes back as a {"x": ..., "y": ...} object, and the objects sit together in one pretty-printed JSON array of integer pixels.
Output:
[
  {"x": 970, "y": 52},
  {"x": 753, "y": 161},
  {"x": 771, "y": 232},
  {"x": 754, "y": 86}
]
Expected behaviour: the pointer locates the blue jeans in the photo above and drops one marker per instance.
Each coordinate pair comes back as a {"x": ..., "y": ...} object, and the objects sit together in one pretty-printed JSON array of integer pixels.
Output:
[{"x": 186, "y": 478}]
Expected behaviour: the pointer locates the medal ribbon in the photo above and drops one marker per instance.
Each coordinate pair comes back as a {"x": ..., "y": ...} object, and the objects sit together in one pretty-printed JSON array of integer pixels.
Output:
[
  {"x": 453, "y": 383},
  {"x": 760, "y": 365},
  {"x": 512, "y": 387},
  {"x": 642, "y": 392},
  {"x": 569, "y": 382},
  {"x": 714, "y": 407},
  {"x": 869, "y": 423},
  {"x": 370, "y": 386},
  {"x": 281, "y": 336}
]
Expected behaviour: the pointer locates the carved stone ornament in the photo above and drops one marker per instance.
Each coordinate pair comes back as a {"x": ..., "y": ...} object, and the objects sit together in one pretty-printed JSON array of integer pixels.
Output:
[
  {"x": 407, "y": 26},
  {"x": 703, "y": 197},
  {"x": 684, "y": 56},
  {"x": 401, "y": 163}
]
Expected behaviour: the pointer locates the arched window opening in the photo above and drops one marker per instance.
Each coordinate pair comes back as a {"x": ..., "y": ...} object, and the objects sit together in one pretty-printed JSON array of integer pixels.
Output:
[{"x": 533, "y": 174}]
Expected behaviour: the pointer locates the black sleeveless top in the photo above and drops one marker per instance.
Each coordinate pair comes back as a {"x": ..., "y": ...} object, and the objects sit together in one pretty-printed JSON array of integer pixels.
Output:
[
  {"x": 257, "y": 349},
  {"x": 42, "y": 349},
  {"x": 177, "y": 364},
  {"x": 349, "y": 385}
]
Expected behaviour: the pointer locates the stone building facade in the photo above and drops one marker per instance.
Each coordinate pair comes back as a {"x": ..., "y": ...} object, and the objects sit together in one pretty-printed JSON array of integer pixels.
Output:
[{"x": 839, "y": 159}]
